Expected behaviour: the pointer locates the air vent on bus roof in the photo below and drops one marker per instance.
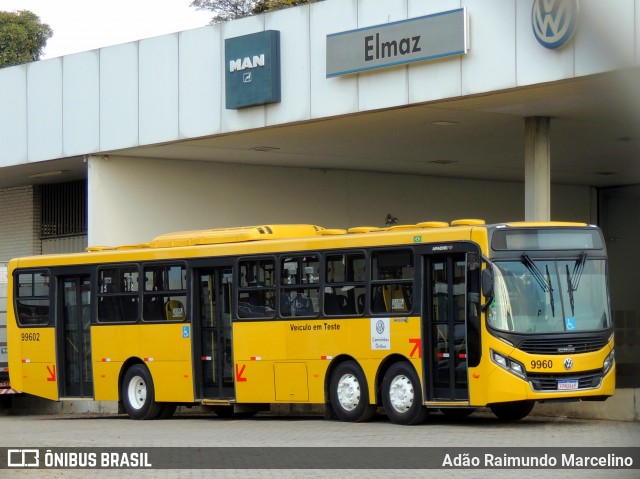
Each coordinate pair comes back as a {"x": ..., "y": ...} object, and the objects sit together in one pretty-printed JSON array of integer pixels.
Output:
[
  {"x": 400, "y": 227},
  {"x": 364, "y": 229},
  {"x": 331, "y": 232},
  {"x": 433, "y": 224},
  {"x": 467, "y": 222},
  {"x": 234, "y": 235}
]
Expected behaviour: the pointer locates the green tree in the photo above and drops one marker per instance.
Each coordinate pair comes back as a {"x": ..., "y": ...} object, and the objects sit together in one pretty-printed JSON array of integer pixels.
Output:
[
  {"x": 225, "y": 10},
  {"x": 22, "y": 37}
]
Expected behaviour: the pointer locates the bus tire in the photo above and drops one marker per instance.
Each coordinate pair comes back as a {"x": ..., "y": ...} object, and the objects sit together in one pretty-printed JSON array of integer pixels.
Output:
[
  {"x": 349, "y": 393},
  {"x": 138, "y": 394},
  {"x": 512, "y": 411},
  {"x": 402, "y": 395}
]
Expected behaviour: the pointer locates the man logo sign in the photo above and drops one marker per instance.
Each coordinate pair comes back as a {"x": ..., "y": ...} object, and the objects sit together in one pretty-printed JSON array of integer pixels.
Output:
[
  {"x": 252, "y": 75},
  {"x": 554, "y": 21}
]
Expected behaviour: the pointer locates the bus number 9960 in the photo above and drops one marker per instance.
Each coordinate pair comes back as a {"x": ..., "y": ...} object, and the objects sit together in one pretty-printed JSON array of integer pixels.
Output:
[{"x": 541, "y": 364}]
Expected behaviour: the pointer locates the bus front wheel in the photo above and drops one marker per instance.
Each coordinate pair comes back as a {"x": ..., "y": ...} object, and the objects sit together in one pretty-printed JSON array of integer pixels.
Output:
[
  {"x": 512, "y": 411},
  {"x": 402, "y": 395},
  {"x": 138, "y": 395},
  {"x": 349, "y": 393}
]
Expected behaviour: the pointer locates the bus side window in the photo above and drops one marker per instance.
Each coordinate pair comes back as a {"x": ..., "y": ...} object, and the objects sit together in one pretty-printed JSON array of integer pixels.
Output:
[
  {"x": 118, "y": 294},
  {"x": 344, "y": 290},
  {"x": 256, "y": 292},
  {"x": 392, "y": 274},
  {"x": 299, "y": 286},
  {"x": 165, "y": 293},
  {"x": 32, "y": 298}
]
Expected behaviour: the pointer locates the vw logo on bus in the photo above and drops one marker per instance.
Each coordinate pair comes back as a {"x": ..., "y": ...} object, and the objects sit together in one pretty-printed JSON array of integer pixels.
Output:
[
  {"x": 554, "y": 21},
  {"x": 568, "y": 364}
]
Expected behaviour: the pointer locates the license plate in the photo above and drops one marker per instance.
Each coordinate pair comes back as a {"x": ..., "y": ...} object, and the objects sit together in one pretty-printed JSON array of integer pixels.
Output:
[
  {"x": 4, "y": 384},
  {"x": 568, "y": 384}
]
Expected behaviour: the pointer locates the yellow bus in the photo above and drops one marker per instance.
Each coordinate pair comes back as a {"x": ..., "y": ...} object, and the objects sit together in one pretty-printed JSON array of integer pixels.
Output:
[{"x": 412, "y": 318}]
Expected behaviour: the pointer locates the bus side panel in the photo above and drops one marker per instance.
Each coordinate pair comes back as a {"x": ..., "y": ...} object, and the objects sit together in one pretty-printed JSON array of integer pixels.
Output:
[
  {"x": 32, "y": 361},
  {"x": 477, "y": 385},
  {"x": 165, "y": 348},
  {"x": 105, "y": 380},
  {"x": 316, "y": 342},
  {"x": 256, "y": 346},
  {"x": 111, "y": 345}
]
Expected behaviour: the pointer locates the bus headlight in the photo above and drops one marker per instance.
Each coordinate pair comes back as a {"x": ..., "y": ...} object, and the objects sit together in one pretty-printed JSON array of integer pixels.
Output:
[
  {"x": 509, "y": 364},
  {"x": 608, "y": 362}
]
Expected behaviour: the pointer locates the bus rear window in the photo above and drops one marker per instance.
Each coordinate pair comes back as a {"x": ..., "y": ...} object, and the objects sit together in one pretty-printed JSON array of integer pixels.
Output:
[{"x": 32, "y": 298}]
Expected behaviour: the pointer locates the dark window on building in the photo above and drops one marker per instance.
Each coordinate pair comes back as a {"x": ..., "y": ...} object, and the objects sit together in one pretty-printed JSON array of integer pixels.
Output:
[{"x": 64, "y": 209}]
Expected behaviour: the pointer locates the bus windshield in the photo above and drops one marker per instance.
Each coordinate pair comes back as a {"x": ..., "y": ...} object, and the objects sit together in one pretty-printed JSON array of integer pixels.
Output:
[{"x": 534, "y": 296}]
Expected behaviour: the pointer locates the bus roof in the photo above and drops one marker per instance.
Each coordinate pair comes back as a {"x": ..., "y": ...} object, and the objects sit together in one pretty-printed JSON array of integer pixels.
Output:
[{"x": 306, "y": 237}]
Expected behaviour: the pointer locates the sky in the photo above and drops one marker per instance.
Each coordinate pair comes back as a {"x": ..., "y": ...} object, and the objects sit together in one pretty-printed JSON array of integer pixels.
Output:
[{"x": 81, "y": 25}]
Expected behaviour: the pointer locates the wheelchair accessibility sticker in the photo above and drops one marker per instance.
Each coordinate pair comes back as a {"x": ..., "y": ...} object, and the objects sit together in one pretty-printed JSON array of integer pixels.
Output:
[
  {"x": 570, "y": 324},
  {"x": 185, "y": 332}
]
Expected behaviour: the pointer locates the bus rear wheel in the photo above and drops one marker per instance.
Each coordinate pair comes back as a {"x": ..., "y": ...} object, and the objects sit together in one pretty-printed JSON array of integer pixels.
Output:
[
  {"x": 349, "y": 393},
  {"x": 512, "y": 411},
  {"x": 402, "y": 395},
  {"x": 138, "y": 394}
]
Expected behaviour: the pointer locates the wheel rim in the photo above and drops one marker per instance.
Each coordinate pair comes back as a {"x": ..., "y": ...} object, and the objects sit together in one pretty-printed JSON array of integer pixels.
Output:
[
  {"x": 348, "y": 392},
  {"x": 401, "y": 394},
  {"x": 137, "y": 392}
]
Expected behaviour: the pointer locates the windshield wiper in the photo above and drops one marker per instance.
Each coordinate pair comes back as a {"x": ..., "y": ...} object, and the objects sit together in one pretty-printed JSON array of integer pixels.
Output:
[
  {"x": 545, "y": 283},
  {"x": 573, "y": 279},
  {"x": 570, "y": 290}
]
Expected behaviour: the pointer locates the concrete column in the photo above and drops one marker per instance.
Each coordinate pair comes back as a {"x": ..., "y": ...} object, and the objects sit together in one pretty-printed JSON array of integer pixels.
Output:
[{"x": 537, "y": 169}]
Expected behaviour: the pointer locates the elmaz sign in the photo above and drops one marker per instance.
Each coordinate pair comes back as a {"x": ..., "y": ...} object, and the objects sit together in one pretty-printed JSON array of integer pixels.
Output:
[
  {"x": 413, "y": 40},
  {"x": 252, "y": 69}
]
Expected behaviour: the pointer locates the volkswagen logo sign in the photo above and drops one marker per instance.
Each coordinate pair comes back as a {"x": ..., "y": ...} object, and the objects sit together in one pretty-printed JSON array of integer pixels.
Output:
[
  {"x": 554, "y": 21},
  {"x": 568, "y": 364},
  {"x": 380, "y": 327}
]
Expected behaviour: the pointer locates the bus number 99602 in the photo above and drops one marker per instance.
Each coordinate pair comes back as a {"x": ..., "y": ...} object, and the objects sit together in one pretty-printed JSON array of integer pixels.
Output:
[{"x": 30, "y": 336}]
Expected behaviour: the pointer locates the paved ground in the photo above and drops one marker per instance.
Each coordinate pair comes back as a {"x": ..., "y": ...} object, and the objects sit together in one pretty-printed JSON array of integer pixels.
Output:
[{"x": 480, "y": 430}]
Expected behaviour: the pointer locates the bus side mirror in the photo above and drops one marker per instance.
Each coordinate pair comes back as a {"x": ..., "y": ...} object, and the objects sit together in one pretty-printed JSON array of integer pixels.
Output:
[{"x": 487, "y": 282}]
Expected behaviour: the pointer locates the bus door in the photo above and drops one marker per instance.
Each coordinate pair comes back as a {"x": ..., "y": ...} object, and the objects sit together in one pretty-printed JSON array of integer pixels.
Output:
[
  {"x": 449, "y": 314},
  {"x": 75, "y": 375},
  {"x": 213, "y": 313}
]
